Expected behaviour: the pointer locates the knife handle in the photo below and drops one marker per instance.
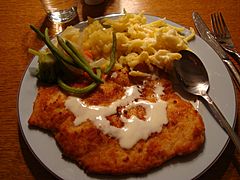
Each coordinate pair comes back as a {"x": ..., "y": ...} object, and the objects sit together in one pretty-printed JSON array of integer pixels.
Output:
[{"x": 234, "y": 71}]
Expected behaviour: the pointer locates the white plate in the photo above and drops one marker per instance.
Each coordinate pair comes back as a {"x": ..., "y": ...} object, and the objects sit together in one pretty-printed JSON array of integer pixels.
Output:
[{"x": 222, "y": 92}]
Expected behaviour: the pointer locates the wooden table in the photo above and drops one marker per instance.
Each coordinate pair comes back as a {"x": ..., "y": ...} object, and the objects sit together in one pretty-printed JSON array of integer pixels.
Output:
[{"x": 16, "y": 160}]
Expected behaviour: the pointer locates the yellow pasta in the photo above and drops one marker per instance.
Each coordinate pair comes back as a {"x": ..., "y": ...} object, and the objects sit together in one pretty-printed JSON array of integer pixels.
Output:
[{"x": 154, "y": 44}]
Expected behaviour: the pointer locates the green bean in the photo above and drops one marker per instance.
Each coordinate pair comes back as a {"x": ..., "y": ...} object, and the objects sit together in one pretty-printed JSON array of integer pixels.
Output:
[
  {"x": 79, "y": 91},
  {"x": 55, "y": 50},
  {"x": 42, "y": 36},
  {"x": 50, "y": 46},
  {"x": 78, "y": 61},
  {"x": 39, "y": 33},
  {"x": 75, "y": 51},
  {"x": 113, "y": 54}
]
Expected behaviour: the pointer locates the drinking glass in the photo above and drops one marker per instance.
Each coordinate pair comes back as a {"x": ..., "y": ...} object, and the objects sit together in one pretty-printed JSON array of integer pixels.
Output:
[{"x": 60, "y": 11}]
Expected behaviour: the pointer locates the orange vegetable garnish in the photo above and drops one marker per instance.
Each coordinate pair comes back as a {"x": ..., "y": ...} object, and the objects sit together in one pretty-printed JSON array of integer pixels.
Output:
[{"x": 88, "y": 53}]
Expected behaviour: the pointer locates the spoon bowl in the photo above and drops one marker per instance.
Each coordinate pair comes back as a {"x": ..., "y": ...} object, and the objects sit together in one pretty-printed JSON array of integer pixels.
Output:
[
  {"x": 193, "y": 78},
  {"x": 192, "y": 73}
]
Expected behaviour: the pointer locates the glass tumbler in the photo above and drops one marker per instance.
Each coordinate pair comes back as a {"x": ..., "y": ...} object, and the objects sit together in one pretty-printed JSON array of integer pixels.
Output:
[{"x": 60, "y": 11}]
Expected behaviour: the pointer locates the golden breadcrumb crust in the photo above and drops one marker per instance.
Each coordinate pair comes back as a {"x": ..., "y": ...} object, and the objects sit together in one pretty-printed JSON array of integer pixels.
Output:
[{"x": 96, "y": 152}]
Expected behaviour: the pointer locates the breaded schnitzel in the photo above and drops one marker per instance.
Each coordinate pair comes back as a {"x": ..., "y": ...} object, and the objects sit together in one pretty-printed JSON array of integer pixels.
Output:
[{"x": 97, "y": 152}]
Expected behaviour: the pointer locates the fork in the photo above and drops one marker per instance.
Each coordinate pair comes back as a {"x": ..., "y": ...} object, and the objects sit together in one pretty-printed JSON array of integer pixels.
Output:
[{"x": 223, "y": 35}]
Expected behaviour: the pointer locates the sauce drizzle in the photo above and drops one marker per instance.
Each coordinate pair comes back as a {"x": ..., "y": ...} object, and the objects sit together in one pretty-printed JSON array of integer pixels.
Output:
[{"x": 134, "y": 128}]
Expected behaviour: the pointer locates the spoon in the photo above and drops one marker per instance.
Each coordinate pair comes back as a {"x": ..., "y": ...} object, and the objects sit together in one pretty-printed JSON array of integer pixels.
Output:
[{"x": 193, "y": 78}]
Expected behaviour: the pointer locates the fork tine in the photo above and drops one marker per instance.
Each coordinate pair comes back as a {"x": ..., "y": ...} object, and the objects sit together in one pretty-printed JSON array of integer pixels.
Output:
[
  {"x": 227, "y": 33},
  {"x": 222, "y": 34},
  {"x": 214, "y": 25},
  {"x": 220, "y": 25}
]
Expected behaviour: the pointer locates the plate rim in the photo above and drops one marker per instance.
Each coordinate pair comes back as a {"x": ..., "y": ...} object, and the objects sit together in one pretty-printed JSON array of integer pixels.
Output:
[{"x": 115, "y": 15}]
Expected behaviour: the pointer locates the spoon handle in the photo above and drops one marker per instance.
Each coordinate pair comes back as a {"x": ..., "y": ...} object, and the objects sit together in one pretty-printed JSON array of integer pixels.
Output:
[{"x": 222, "y": 121}]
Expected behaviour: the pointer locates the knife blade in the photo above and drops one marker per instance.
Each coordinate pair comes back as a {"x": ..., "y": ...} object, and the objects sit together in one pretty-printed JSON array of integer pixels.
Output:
[{"x": 206, "y": 35}]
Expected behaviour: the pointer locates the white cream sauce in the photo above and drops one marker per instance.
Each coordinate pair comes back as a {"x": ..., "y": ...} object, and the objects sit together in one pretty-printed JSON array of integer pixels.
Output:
[{"x": 134, "y": 129}]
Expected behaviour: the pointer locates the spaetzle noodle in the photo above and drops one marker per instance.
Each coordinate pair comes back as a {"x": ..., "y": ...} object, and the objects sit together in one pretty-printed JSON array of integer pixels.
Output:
[{"x": 138, "y": 42}]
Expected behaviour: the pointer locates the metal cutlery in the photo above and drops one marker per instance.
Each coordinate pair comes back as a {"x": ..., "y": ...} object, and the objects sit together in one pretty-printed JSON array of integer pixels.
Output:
[
  {"x": 206, "y": 34},
  {"x": 193, "y": 78},
  {"x": 223, "y": 35}
]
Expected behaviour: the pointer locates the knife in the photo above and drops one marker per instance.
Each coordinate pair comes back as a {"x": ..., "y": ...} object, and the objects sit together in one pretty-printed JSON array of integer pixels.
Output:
[{"x": 206, "y": 35}]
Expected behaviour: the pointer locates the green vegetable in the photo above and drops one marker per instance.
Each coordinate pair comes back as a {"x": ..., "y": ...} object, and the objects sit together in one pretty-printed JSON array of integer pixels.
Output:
[
  {"x": 39, "y": 33},
  {"x": 75, "y": 51},
  {"x": 55, "y": 63},
  {"x": 78, "y": 91},
  {"x": 55, "y": 50},
  {"x": 78, "y": 61},
  {"x": 113, "y": 54},
  {"x": 52, "y": 48},
  {"x": 46, "y": 71}
]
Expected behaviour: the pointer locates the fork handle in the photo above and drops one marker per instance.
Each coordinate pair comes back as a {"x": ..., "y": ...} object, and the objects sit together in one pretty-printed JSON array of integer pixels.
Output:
[
  {"x": 234, "y": 71},
  {"x": 233, "y": 53},
  {"x": 236, "y": 56}
]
